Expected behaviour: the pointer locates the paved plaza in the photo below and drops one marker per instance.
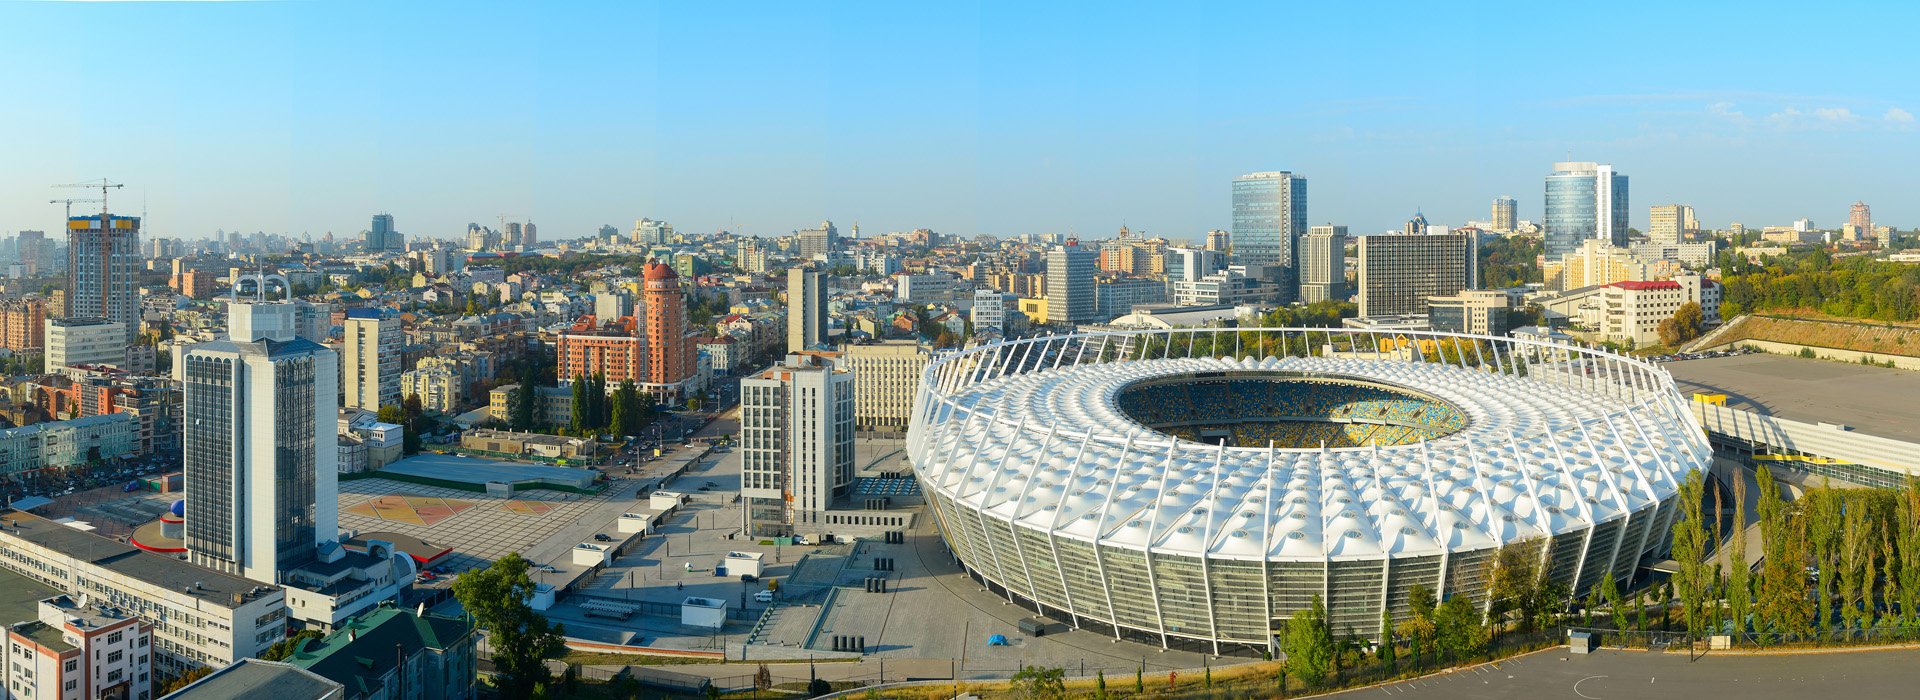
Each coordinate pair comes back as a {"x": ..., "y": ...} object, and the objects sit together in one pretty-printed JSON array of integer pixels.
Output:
[{"x": 479, "y": 528}]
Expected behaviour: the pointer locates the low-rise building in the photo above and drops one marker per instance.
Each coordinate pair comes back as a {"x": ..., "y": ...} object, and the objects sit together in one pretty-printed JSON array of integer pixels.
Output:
[
  {"x": 394, "y": 654},
  {"x": 79, "y": 650},
  {"x": 66, "y": 443},
  {"x": 1480, "y": 311},
  {"x": 199, "y": 617},
  {"x": 438, "y": 387},
  {"x": 252, "y": 677},
  {"x": 885, "y": 375},
  {"x": 554, "y": 404},
  {"x": 536, "y": 445}
]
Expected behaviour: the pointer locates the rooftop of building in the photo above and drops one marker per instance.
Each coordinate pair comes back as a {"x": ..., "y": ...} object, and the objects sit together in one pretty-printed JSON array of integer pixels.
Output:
[
  {"x": 164, "y": 572},
  {"x": 1871, "y": 400},
  {"x": 253, "y": 678},
  {"x": 1646, "y": 285},
  {"x": 20, "y": 597},
  {"x": 360, "y": 653},
  {"x": 44, "y": 635}
]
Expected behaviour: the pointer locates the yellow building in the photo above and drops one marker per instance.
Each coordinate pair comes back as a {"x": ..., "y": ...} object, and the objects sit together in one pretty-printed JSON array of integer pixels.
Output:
[{"x": 1035, "y": 310}]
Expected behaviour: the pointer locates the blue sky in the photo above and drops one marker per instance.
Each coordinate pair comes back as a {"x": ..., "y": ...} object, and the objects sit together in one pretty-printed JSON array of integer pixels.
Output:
[{"x": 996, "y": 118}]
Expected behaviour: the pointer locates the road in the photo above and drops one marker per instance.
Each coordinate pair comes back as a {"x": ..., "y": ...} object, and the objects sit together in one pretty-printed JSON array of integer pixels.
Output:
[{"x": 1624, "y": 675}]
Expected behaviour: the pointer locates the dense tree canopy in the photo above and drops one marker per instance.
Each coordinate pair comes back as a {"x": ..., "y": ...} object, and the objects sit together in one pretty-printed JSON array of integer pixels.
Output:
[{"x": 1855, "y": 287}]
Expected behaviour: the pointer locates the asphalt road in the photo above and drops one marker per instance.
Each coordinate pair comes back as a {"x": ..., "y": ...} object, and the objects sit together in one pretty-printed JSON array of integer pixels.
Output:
[{"x": 1634, "y": 675}]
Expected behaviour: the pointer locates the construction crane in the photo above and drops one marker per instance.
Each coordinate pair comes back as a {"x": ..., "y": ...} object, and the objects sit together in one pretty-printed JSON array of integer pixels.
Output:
[
  {"x": 104, "y": 185},
  {"x": 71, "y": 202}
]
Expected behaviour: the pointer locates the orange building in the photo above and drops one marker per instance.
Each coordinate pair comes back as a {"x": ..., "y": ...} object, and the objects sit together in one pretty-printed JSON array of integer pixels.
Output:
[
  {"x": 672, "y": 357},
  {"x": 615, "y": 350},
  {"x": 23, "y": 324}
]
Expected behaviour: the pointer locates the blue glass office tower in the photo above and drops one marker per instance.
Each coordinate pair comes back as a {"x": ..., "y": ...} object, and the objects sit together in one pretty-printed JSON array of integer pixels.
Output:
[
  {"x": 1269, "y": 216},
  {"x": 1584, "y": 201}
]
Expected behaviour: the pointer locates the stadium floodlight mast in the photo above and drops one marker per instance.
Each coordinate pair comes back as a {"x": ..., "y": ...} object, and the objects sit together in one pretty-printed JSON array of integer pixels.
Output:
[{"x": 1078, "y": 486}]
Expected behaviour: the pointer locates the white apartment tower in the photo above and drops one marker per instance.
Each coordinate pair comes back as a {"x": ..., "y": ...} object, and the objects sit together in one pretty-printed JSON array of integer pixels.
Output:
[
  {"x": 260, "y": 406},
  {"x": 1323, "y": 264},
  {"x": 796, "y": 444},
  {"x": 370, "y": 366}
]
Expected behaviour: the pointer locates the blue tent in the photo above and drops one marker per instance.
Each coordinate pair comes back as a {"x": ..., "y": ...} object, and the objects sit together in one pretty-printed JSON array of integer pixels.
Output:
[{"x": 998, "y": 640}]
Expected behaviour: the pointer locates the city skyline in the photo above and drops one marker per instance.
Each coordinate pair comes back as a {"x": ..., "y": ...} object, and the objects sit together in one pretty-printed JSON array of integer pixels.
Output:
[{"x": 995, "y": 119}]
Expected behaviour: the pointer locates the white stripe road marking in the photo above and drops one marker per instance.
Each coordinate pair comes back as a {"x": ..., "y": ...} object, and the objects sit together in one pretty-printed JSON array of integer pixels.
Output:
[{"x": 1576, "y": 687}]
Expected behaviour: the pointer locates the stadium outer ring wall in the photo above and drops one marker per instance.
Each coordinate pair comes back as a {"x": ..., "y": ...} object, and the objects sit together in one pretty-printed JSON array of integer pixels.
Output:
[{"x": 1237, "y": 606}]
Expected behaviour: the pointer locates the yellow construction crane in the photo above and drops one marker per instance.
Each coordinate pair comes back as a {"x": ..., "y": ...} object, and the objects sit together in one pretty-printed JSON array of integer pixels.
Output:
[
  {"x": 103, "y": 184},
  {"x": 71, "y": 202}
]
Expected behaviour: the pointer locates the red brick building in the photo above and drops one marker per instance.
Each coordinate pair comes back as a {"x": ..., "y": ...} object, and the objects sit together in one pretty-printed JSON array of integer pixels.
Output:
[{"x": 672, "y": 355}]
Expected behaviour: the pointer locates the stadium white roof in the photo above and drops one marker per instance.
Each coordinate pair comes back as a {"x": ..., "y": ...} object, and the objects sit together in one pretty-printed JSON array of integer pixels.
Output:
[{"x": 1541, "y": 455}]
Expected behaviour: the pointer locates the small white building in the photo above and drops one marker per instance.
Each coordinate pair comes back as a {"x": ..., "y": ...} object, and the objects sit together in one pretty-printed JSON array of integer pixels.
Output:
[
  {"x": 591, "y": 554},
  {"x": 710, "y": 613},
  {"x": 636, "y": 522},
  {"x": 666, "y": 501},
  {"x": 77, "y": 650},
  {"x": 742, "y": 563}
]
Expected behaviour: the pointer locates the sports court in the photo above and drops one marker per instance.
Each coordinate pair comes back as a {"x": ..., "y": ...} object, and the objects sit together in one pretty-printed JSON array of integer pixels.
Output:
[{"x": 425, "y": 511}]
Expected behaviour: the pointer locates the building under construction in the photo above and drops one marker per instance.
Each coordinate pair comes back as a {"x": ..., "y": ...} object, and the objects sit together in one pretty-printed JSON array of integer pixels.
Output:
[{"x": 103, "y": 259}]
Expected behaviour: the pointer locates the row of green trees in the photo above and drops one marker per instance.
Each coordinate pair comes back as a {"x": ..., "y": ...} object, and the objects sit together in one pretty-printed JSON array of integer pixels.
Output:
[
  {"x": 1837, "y": 563},
  {"x": 624, "y": 411},
  {"x": 1452, "y": 629},
  {"x": 1855, "y": 287}
]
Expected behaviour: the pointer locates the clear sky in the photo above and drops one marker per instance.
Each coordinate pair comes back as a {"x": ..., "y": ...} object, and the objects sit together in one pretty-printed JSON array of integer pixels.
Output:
[{"x": 998, "y": 118}]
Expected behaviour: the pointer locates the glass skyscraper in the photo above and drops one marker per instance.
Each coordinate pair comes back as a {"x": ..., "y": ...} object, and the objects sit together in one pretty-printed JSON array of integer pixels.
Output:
[
  {"x": 1584, "y": 201},
  {"x": 1269, "y": 216}
]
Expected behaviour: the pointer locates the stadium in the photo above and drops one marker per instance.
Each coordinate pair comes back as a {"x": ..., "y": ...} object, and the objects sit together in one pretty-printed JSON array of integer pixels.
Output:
[{"x": 1192, "y": 489}]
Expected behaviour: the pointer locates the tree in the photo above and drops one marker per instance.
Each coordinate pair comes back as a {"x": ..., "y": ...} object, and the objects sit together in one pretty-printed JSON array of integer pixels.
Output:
[
  {"x": 1610, "y": 592},
  {"x": 1683, "y": 326},
  {"x": 582, "y": 409},
  {"x": 1519, "y": 581},
  {"x": 1739, "y": 590},
  {"x": 1100, "y": 685},
  {"x": 185, "y": 679},
  {"x": 497, "y": 600},
  {"x": 521, "y": 405},
  {"x": 1458, "y": 628},
  {"x": 1038, "y": 683},
  {"x": 1386, "y": 651},
  {"x": 1690, "y": 552},
  {"x": 1309, "y": 643},
  {"x": 286, "y": 647},
  {"x": 1418, "y": 627},
  {"x": 413, "y": 407}
]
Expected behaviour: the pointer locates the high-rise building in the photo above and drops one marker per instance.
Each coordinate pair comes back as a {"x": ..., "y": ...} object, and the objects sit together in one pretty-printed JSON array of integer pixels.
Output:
[
  {"x": 33, "y": 251},
  {"x": 479, "y": 237},
  {"x": 23, "y": 323},
  {"x": 1399, "y": 273},
  {"x": 751, "y": 256},
  {"x": 510, "y": 234},
  {"x": 1269, "y": 216},
  {"x": 1860, "y": 221},
  {"x": 1670, "y": 223},
  {"x": 1416, "y": 226},
  {"x": 614, "y": 350},
  {"x": 1584, "y": 200},
  {"x": 103, "y": 264},
  {"x": 650, "y": 232},
  {"x": 796, "y": 444},
  {"x": 1504, "y": 211},
  {"x": 1070, "y": 295},
  {"x": 370, "y": 363},
  {"x": 1323, "y": 264},
  {"x": 672, "y": 355},
  {"x": 1218, "y": 240},
  {"x": 815, "y": 242},
  {"x": 379, "y": 235},
  {"x": 530, "y": 236},
  {"x": 1194, "y": 263},
  {"x": 260, "y": 445},
  {"x": 885, "y": 375},
  {"x": 806, "y": 308},
  {"x": 990, "y": 310}
]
